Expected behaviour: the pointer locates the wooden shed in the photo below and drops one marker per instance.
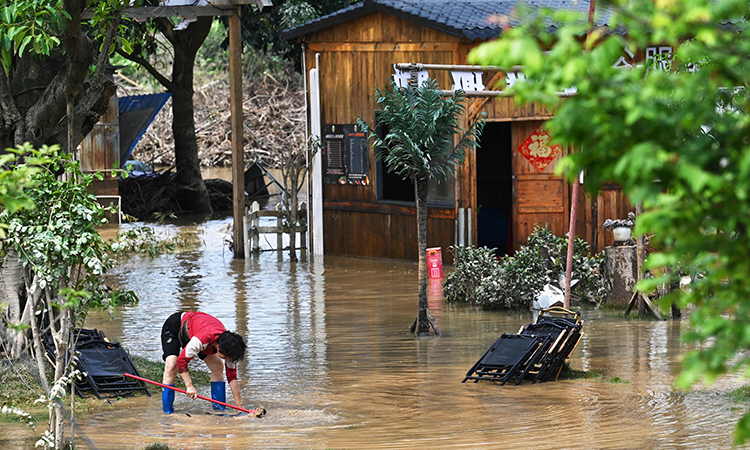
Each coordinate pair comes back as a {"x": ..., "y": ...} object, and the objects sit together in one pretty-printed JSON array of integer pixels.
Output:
[{"x": 504, "y": 189}]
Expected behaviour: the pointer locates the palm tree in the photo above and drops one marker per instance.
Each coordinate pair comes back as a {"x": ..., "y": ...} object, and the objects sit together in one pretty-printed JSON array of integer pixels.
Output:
[{"x": 420, "y": 146}]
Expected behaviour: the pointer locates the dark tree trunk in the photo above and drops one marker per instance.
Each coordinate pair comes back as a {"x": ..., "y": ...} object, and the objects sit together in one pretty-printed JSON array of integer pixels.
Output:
[
  {"x": 424, "y": 319},
  {"x": 186, "y": 44}
]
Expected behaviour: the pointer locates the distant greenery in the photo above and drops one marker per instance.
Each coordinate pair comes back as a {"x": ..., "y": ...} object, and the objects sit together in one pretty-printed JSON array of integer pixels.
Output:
[
  {"x": 118, "y": 298},
  {"x": 262, "y": 31},
  {"x": 513, "y": 282},
  {"x": 145, "y": 241}
]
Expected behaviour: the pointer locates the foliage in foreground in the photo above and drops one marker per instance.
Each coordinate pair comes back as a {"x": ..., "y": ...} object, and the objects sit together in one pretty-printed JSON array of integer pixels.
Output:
[
  {"x": 52, "y": 244},
  {"x": 513, "y": 282},
  {"x": 676, "y": 140}
]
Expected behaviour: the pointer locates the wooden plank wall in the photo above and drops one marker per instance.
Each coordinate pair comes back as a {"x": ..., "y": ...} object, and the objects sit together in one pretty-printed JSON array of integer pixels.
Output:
[
  {"x": 506, "y": 109},
  {"x": 348, "y": 80},
  {"x": 609, "y": 203},
  {"x": 100, "y": 150},
  {"x": 388, "y": 234},
  {"x": 539, "y": 197}
]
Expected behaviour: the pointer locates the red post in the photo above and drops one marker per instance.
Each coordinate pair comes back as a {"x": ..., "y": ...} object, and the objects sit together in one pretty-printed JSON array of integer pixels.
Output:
[
  {"x": 571, "y": 240},
  {"x": 435, "y": 263},
  {"x": 574, "y": 194}
]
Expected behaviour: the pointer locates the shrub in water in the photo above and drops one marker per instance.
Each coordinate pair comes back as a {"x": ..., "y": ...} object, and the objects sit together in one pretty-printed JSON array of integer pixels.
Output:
[
  {"x": 473, "y": 267},
  {"x": 513, "y": 281}
]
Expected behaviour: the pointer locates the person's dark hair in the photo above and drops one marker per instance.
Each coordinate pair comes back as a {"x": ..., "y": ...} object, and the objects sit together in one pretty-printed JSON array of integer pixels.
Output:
[{"x": 231, "y": 345}]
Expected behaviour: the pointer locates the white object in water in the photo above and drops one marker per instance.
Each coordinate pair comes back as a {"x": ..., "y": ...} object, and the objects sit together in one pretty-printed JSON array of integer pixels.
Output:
[{"x": 549, "y": 297}]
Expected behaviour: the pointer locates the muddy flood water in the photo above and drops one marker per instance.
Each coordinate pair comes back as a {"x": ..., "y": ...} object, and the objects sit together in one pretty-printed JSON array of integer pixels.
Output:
[{"x": 330, "y": 360}]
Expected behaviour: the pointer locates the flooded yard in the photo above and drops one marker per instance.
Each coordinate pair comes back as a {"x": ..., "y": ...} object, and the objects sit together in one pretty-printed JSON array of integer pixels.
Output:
[{"x": 330, "y": 359}]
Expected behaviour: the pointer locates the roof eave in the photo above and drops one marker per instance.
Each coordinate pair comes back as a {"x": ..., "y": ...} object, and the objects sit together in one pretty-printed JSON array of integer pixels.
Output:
[
  {"x": 325, "y": 22},
  {"x": 367, "y": 8}
]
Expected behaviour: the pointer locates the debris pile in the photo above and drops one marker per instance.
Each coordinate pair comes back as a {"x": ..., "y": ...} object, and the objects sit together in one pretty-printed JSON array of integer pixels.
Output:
[
  {"x": 273, "y": 116},
  {"x": 103, "y": 364},
  {"x": 536, "y": 353}
]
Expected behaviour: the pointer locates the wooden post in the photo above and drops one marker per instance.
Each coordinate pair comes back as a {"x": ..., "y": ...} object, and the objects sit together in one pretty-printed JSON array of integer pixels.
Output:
[
  {"x": 279, "y": 228},
  {"x": 254, "y": 227},
  {"x": 640, "y": 257},
  {"x": 238, "y": 156},
  {"x": 303, "y": 234},
  {"x": 644, "y": 303},
  {"x": 246, "y": 235}
]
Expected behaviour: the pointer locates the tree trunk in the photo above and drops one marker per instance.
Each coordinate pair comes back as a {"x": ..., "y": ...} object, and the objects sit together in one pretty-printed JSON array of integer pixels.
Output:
[
  {"x": 186, "y": 44},
  {"x": 424, "y": 319},
  {"x": 61, "y": 331},
  {"x": 12, "y": 293},
  {"x": 37, "y": 348}
]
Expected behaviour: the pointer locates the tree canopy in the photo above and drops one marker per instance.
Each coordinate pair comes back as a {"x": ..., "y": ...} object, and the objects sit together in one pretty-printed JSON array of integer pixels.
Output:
[
  {"x": 675, "y": 133},
  {"x": 51, "y": 57},
  {"x": 263, "y": 31}
]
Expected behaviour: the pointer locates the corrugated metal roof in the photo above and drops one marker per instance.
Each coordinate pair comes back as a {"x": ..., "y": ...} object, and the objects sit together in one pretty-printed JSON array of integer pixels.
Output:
[{"x": 472, "y": 19}]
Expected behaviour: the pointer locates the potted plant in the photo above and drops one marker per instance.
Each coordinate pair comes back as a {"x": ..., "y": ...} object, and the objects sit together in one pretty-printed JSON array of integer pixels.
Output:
[{"x": 621, "y": 228}]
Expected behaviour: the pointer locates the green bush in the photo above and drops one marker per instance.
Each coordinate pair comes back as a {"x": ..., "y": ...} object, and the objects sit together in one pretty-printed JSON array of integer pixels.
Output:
[
  {"x": 512, "y": 282},
  {"x": 473, "y": 267}
]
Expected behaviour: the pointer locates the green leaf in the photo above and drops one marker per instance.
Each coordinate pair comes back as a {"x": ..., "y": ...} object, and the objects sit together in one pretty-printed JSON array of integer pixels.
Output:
[{"x": 25, "y": 42}]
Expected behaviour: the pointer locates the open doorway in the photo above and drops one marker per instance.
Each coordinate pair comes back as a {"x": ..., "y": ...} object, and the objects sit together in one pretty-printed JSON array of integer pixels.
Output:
[{"x": 495, "y": 188}]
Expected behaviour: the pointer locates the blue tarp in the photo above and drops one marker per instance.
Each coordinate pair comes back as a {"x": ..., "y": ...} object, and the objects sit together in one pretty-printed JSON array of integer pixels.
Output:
[{"x": 136, "y": 114}]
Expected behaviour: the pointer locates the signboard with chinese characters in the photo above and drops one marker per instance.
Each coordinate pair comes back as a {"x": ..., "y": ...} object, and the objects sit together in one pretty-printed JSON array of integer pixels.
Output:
[
  {"x": 659, "y": 57},
  {"x": 345, "y": 156},
  {"x": 537, "y": 149}
]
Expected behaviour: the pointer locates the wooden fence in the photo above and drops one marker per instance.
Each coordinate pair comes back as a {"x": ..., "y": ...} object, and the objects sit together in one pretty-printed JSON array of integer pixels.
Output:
[{"x": 253, "y": 229}]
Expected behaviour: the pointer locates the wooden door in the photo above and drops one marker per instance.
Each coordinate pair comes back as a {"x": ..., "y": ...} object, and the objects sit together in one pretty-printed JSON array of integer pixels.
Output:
[{"x": 539, "y": 196}]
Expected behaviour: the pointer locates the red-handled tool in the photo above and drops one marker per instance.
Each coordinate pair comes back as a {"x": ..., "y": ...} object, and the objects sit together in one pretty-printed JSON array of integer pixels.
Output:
[{"x": 254, "y": 412}]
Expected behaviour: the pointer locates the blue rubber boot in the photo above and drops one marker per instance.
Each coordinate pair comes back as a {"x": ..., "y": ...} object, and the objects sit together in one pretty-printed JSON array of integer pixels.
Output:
[
  {"x": 219, "y": 392},
  {"x": 167, "y": 400}
]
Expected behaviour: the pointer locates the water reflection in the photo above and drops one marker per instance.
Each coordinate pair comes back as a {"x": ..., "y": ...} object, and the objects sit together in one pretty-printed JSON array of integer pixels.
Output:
[{"x": 330, "y": 358}]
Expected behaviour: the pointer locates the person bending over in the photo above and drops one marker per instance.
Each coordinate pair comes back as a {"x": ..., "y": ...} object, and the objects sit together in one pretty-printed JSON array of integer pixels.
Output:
[{"x": 187, "y": 334}]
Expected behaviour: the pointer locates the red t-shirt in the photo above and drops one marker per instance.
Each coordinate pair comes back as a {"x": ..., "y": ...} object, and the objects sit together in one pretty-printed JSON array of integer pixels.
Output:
[{"x": 203, "y": 330}]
